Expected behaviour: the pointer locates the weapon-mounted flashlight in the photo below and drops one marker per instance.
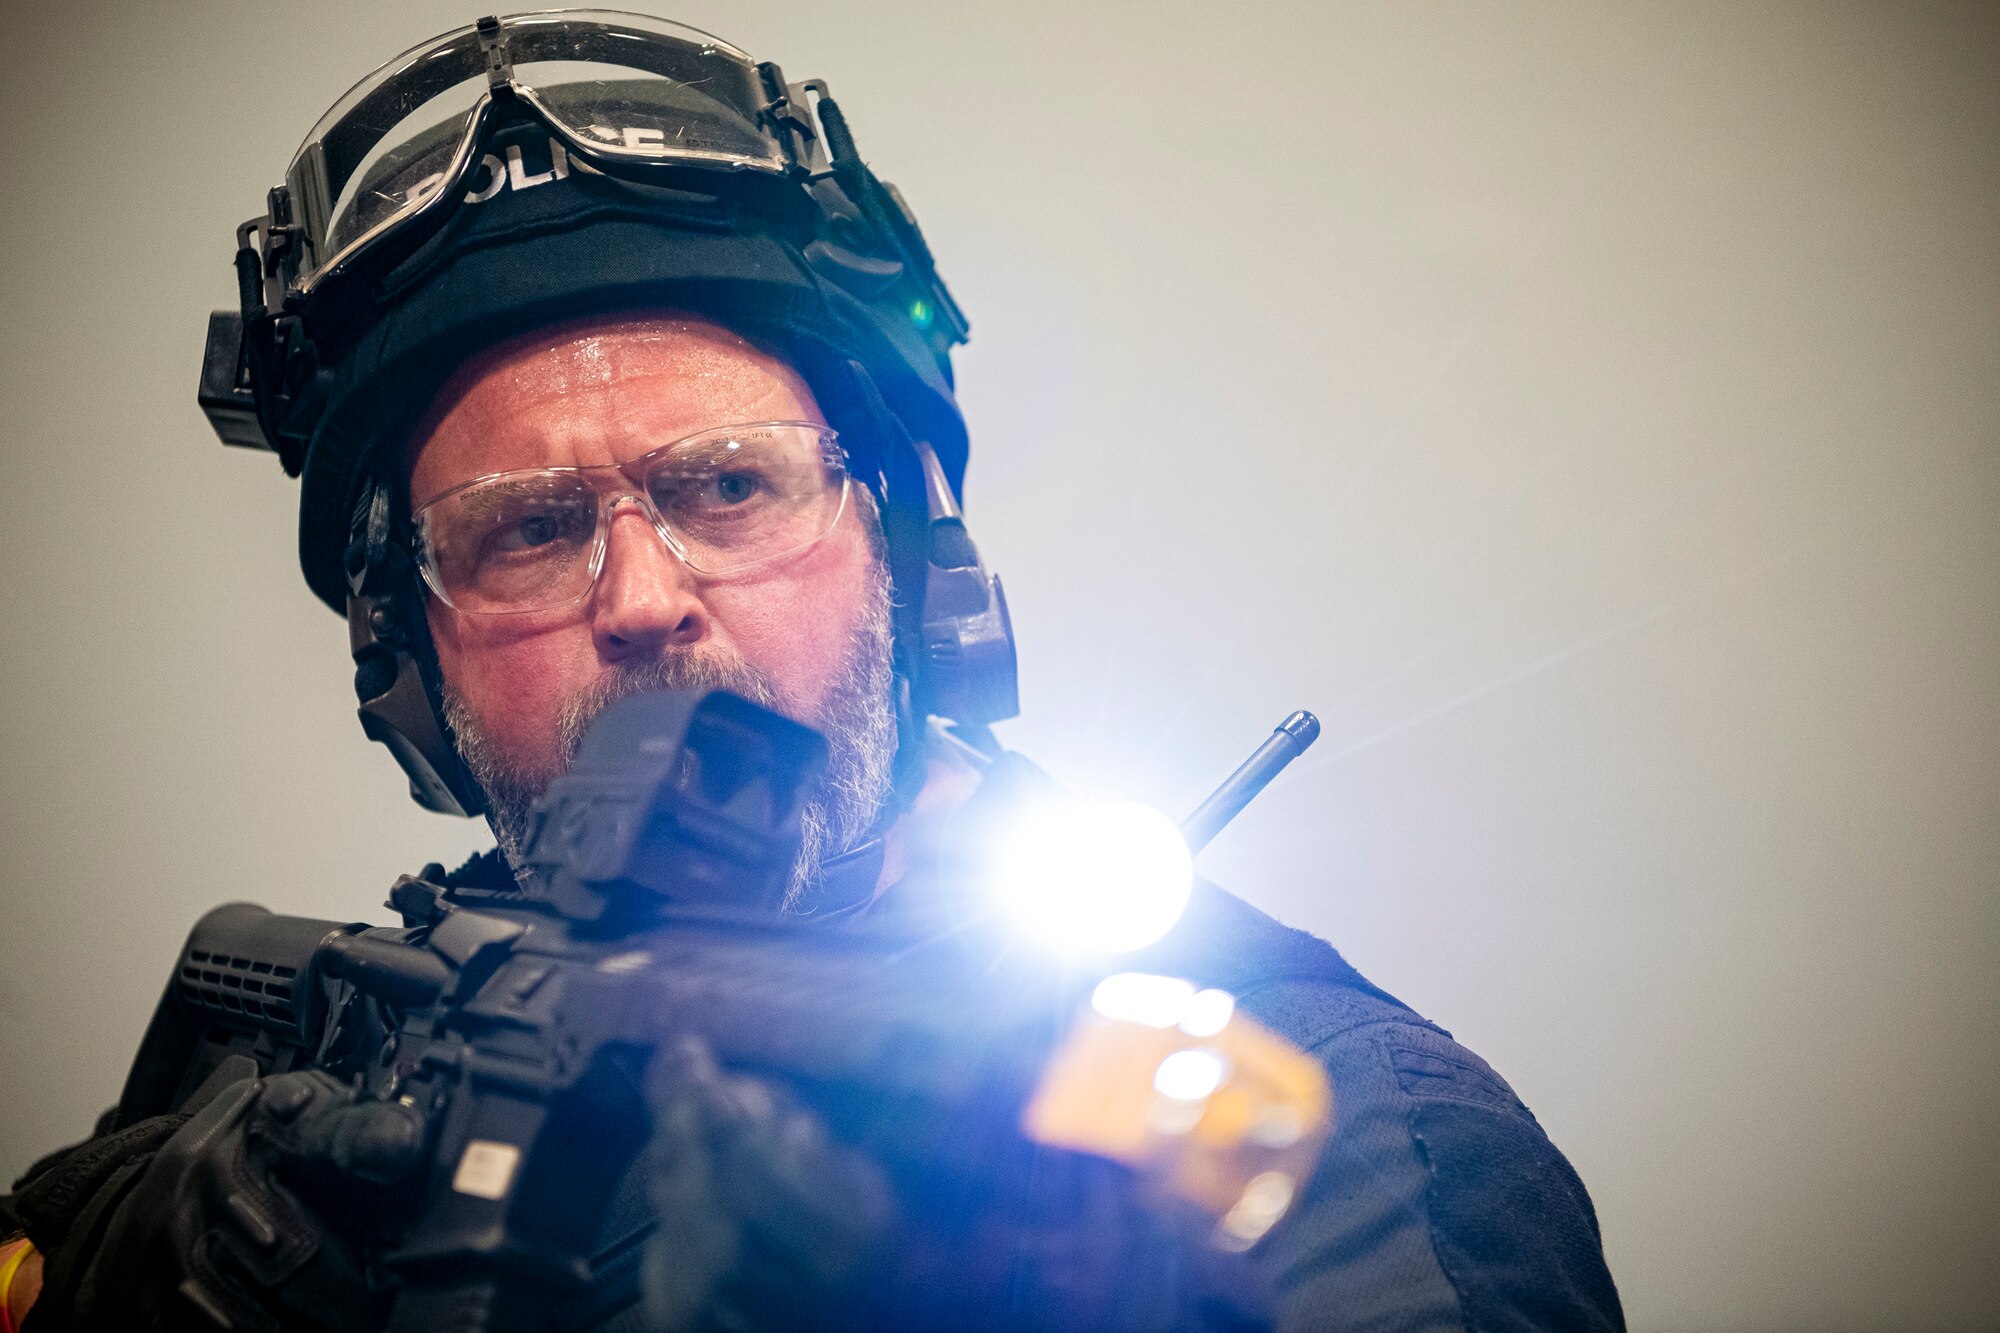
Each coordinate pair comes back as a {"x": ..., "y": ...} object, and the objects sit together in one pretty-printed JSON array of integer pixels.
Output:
[
  {"x": 1104, "y": 877},
  {"x": 1114, "y": 876}
]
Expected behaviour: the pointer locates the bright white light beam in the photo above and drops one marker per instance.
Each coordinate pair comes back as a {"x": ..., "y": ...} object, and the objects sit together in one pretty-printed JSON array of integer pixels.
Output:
[{"x": 1105, "y": 877}]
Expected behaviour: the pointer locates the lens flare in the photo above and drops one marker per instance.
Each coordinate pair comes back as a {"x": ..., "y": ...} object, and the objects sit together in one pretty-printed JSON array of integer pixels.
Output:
[
  {"x": 1108, "y": 877},
  {"x": 1141, "y": 997},
  {"x": 1190, "y": 1075}
]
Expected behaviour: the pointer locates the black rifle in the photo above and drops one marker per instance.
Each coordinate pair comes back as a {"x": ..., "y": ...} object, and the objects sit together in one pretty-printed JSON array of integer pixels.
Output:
[{"x": 521, "y": 1024}]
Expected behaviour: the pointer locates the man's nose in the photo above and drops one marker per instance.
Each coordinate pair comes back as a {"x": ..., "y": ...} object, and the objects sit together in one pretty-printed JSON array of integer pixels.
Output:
[{"x": 646, "y": 599}]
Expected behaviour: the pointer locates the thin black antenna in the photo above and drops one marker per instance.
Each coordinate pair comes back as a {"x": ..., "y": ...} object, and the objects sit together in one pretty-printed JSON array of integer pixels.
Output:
[{"x": 1240, "y": 788}]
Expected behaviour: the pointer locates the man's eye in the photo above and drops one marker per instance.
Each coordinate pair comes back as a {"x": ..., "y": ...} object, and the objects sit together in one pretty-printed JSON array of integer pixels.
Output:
[
  {"x": 733, "y": 488},
  {"x": 537, "y": 531},
  {"x": 711, "y": 493},
  {"x": 528, "y": 532}
]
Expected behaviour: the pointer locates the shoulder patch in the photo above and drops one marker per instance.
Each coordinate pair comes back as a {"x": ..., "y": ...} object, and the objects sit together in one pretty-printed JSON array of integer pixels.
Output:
[
  {"x": 1435, "y": 1067},
  {"x": 1510, "y": 1220}
]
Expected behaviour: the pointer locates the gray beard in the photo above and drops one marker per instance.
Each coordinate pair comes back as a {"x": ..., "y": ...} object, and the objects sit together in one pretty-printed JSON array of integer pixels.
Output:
[{"x": 855, "y": 716}]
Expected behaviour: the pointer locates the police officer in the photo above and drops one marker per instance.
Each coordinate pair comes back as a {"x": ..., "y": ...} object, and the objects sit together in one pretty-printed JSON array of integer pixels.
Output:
[{"x": 607, "y": 366}]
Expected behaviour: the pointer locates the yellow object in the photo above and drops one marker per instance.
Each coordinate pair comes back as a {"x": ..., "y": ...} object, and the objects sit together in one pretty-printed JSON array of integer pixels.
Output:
[
  {"x": 8, "y": 1269},
  {"x": 1215, "y": 1108}
]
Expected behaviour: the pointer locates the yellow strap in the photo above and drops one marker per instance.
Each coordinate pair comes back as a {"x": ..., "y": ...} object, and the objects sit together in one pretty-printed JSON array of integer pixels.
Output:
[{"x": 7, "y": 1270}]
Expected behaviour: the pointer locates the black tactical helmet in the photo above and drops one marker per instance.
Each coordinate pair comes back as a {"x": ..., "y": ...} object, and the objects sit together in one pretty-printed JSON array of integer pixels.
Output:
[{"x": 528, "y": 170}]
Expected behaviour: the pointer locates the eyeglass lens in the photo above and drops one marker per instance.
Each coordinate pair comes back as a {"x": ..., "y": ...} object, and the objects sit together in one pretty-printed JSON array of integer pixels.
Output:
[{"x": 728, "y": 500}]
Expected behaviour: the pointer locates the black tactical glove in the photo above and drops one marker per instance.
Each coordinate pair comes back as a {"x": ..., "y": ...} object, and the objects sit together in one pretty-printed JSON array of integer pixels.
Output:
[
  {"x": 763, "y": 1220},
  {"x": 1003, "y": 1235},
  {"x": 770, "y": 1217},
  {"x": 198, "y": 1221}
]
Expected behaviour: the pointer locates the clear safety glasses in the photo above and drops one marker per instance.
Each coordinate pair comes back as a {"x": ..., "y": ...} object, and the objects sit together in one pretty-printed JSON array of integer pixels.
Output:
[
  {"x": 617, "y": 91},
  {"x": 726, "y": 501}
]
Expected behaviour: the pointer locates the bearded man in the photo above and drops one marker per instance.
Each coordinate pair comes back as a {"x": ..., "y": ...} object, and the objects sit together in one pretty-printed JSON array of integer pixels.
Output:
[{"x": 609, "y": 367}]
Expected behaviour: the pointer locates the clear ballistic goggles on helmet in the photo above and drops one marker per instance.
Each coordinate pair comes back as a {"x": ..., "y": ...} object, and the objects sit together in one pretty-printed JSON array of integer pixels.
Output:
[
  {"x": 622, "y": 93},
  {"x": 458, "y": 121},
  {"x": 726, "y": 501}
]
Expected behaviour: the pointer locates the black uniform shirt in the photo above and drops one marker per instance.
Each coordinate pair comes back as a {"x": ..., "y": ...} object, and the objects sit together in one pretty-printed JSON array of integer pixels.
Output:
[{"x": 1439, "y": 1202}]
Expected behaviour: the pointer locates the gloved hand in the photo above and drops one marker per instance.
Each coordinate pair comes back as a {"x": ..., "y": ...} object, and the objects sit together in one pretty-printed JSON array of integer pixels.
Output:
[
  {"x": 1029, "y": 1239},
  {"x": 763, "y": 1219},
  {"x": 201, "y": 1221},
  {"x": 771, "y": 1219}
]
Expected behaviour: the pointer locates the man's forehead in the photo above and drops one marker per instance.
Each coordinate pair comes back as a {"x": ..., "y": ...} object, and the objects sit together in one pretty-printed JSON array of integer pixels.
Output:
[{"x": 654, "y": 375}]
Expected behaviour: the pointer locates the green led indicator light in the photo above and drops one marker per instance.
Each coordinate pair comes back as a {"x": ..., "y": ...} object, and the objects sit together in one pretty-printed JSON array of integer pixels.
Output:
[{"x": 920, "y": 314}]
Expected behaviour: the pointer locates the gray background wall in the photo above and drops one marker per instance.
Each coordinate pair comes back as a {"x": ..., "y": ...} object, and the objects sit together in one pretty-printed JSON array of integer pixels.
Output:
[{"x": 1590, "y": 411}]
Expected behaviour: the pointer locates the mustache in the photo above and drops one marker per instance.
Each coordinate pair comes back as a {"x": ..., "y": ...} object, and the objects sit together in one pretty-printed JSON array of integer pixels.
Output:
[
  {"x": 683, "y": 671},
  {"x": 856, "y": 713}
]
